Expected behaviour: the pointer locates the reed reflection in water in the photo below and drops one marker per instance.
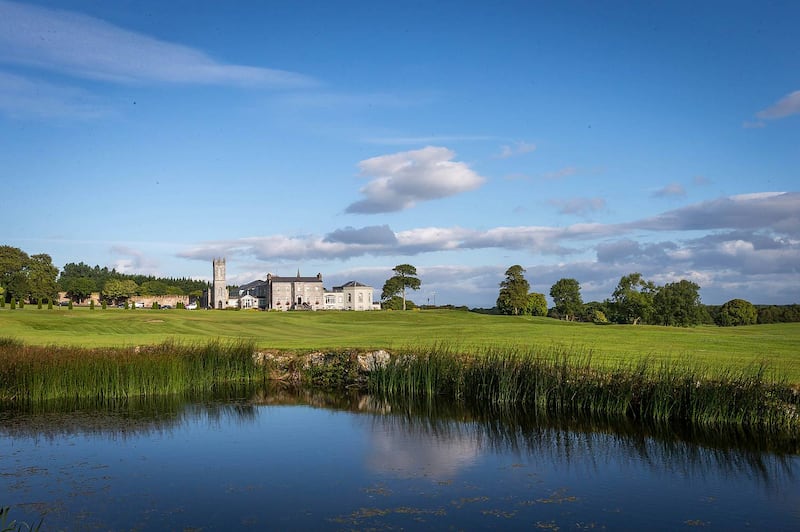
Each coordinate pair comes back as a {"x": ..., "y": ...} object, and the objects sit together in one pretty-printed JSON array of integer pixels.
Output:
[{"x": 295, "y": 458}]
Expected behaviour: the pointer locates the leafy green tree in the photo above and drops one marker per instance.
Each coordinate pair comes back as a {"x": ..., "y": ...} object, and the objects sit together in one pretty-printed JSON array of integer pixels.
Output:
[
  {"x": 80, "y": 288},
  {"x": 396, "y": 303},
  {"x": 42, "y": 277},
  {"x": 14, "y": 272},
  {"x": 537, "y": 304},
  {"x": 678, "y": 304},
  {"x": 566, "y": 294},
  {"x": 404, "y": 277},
  {"x": 153, "y": 288},
  {"x": 632, "y": 300},
  {"x": 513, "y": 296},
  {"x": 737, "y": 312},
  {"x": 119, "y": 289}
]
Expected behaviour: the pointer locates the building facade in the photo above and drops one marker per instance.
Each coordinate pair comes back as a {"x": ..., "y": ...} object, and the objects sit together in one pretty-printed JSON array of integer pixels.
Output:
[
  {"x": 350, "y": 296},
  {"x": 289, "y": 293},
  {"x": 293, "y": 293},
  {"x": 219, "y": 291}
]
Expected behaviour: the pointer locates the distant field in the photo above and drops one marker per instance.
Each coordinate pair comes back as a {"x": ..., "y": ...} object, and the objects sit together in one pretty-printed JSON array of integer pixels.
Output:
[{"x": 734, "y": 347}]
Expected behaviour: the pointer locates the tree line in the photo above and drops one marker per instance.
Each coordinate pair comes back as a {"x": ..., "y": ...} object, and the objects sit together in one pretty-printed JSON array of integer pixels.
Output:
[
  {"x": 34, "y": 278},
  {"x": 635, "y": 300}
]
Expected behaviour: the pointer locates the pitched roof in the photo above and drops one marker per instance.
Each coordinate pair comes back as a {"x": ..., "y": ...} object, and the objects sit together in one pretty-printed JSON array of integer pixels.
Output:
[
  {"x": 352, "y": 284},
  {"x": 276, "y": 279}
]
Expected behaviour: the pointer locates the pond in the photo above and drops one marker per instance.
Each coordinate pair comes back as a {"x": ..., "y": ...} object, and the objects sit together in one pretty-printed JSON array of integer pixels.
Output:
[{"x": 305, "y": 460}]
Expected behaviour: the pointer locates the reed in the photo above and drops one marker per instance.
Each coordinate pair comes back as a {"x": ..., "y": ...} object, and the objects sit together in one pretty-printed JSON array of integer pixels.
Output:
[
  {"x": 557, "y": 382},
  {"x": 31, "y": 374}
]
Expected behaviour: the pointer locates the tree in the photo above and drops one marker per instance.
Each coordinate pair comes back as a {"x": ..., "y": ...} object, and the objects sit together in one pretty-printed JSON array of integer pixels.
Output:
[
  {"x": 737, "y": 312},
  {"x": 566, "y": 294},
  {"x": 42, "y": 278},
  {"x": 537, "y": 304},
  {"x": 153, "y": 288},
  {"x": 14, "y": 272},
  {"x": 678, "y": 304},
  {"x": 396, "y": 303},
  {"x": 80, "y": 288},
  {"x": 632, "y": 299},
  {"x": 119, "y": 289},
  {"x": 513, "y": 296},
  {"x": 404, "y": 277}
]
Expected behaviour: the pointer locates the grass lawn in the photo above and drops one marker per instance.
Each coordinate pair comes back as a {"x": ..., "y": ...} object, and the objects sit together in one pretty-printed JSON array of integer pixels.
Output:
[{"x": 720, "y": 348}]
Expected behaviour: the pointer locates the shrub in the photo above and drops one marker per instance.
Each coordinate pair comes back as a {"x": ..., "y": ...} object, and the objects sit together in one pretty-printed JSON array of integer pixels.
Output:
[
  {"x": 49, "y": 304},
  {"x": 737, "y": 312},
  {"x": 154, "y": 306},
  {"x": 599, "y": 317},
  {"x": 91, "y": 304},
  {"x": 13, "y": 304},
  {"x": 69, "y": 306},
  {"x": 103, "y": 305},
  {"x": 21, "y": 303}
]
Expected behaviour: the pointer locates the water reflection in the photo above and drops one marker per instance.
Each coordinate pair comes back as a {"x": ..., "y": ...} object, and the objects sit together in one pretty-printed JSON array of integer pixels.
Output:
[{"x": 437, "y": 437}]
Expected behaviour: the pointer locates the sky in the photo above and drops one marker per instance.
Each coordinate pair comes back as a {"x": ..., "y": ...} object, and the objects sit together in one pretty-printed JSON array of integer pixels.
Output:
[{"x": 585, "y": 140}]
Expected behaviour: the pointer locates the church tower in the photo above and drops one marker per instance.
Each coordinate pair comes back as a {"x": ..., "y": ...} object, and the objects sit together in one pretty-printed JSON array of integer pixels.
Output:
[{"x": 219, "y": 291}]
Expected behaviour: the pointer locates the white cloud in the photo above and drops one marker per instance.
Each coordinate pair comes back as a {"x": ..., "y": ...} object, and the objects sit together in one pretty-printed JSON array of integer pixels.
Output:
[
  {"x": 133, "y": 261},
  {"x": 786, "y": 106},
  {"x": 776, "y": 211},
  {"x": 20, "y": 96},
  {"x": 87, "y": 47},
  {"x": 403, "y": 179},
  {"x": 518, "y": 148}
]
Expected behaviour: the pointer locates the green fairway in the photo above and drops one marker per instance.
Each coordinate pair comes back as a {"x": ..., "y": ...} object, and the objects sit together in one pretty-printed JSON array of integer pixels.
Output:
[{"x": 724, "y": 348}]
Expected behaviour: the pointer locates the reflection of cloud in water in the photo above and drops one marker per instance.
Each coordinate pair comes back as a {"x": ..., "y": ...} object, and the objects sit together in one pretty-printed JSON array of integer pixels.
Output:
[{"x": 404, "y": 452}]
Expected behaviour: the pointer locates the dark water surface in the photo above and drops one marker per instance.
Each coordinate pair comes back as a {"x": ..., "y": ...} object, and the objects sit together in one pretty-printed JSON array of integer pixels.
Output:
[{"x": 308, "y": 461}]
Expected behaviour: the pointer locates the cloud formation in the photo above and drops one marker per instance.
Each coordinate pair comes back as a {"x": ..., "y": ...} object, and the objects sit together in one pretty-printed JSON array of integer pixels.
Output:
[
  {"x": 400, "y": 180},
  {"x": 518, "y": 148},
  {"x": 765, "y": 214},
  {"x": 778, "y": 211},
  {"x": 786, "y": 106},
  {"x": 673, "y": 190},
  {"x": 87, "y": 47},
  {"x": 579, "y": 206},
  {"x": 20, "y": 96}
]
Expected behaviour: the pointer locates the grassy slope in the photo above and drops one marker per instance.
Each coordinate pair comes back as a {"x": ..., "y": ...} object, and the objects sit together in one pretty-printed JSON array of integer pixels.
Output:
[{"x": 777, "y": 345}]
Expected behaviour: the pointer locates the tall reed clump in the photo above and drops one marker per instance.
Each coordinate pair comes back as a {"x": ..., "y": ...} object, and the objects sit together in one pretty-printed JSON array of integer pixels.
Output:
[
  {"x": 556, "y": 382},
  {"x": 31, "y": 373}
]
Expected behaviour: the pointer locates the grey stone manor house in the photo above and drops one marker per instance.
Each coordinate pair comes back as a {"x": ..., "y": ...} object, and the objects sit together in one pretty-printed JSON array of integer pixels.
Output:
[{"x": 287, "y": 293}]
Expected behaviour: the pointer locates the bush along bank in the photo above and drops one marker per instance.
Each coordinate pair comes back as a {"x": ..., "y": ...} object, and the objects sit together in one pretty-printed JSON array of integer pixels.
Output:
[{"x": 553, "y": 382}]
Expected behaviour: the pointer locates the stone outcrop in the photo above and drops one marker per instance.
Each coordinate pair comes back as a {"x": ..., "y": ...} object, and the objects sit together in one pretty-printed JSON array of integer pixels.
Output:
[{"x": 343, "y": 367}]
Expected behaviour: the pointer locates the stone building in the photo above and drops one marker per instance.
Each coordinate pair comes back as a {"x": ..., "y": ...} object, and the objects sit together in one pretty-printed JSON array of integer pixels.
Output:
[
  {"x": 350, "y": 296},
  {"x": 219, "y": 292},
  {"x": 293, "y": 293}
]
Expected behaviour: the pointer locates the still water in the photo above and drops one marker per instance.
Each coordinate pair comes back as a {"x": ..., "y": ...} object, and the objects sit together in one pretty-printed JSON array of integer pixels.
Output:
[{"x": 303, "y": 460}]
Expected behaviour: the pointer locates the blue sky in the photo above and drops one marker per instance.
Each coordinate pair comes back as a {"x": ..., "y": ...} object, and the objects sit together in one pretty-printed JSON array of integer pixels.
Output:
[{"x": 577, "y": 139}]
